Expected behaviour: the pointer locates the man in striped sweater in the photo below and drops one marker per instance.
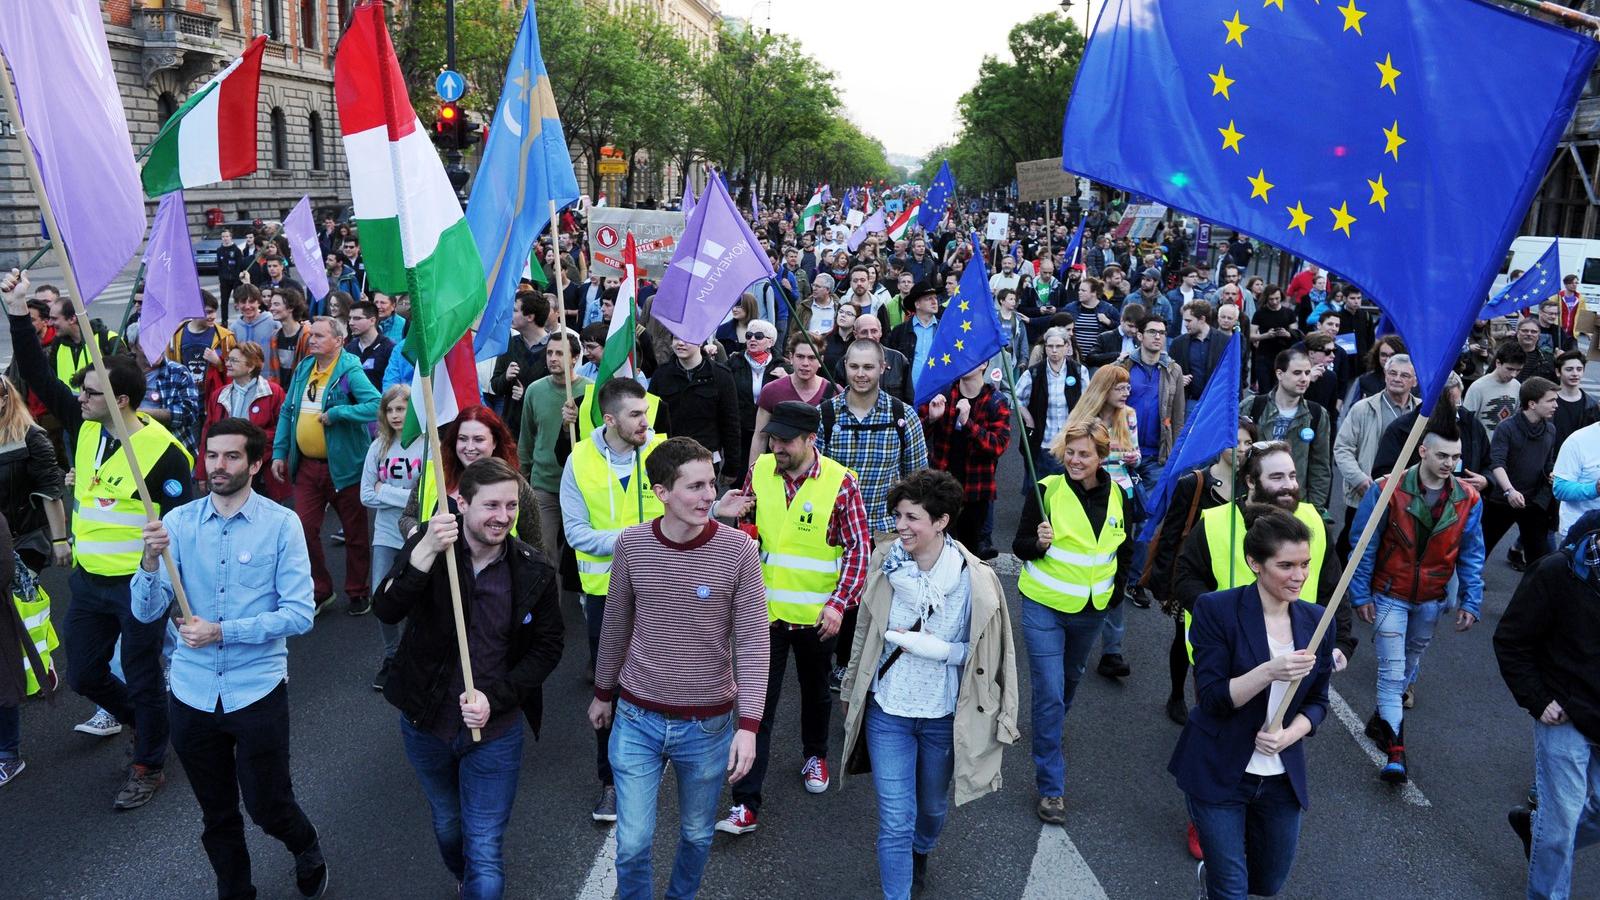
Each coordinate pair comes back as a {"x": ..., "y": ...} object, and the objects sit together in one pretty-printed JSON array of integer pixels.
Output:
[{"x": 669, "y": 646}]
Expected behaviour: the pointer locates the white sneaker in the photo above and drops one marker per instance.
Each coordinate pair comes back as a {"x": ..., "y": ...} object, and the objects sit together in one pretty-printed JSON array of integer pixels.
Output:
[{"x": 101, "y": 724}]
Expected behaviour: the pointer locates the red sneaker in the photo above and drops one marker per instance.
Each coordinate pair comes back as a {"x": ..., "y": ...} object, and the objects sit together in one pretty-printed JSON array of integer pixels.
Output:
[
  {"x": 815, "y": 773},
  {"x": 1194, "y": 843},
  {"x": 741, "y": 819}
]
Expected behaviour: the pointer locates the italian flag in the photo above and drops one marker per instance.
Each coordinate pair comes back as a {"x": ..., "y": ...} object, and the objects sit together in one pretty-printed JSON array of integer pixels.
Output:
[
  {"x": 617, "y": 359},
  {"x": 212, "y": 136},
  {"x": 902, "y": 222},
  {"x": 414, "y": 237},
  {"x": 809, "y": 215},
  {"x": 455, "y": 388}
]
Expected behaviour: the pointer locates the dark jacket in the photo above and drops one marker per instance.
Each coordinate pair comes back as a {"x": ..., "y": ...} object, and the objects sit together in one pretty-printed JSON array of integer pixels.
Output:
[
  {"x": 230, "y": 262},
  {"x": 1216, "y": 344},
  {"x": 1188, "y": 493},
  {"x": 703, "y": 402},
  {"x": 1107, "y": 348},
  {"x": 1474, "y": 444},
  {"x": 903, "y": 338},
  {"x": 1546, "y": 640},
  {"x": 1230, "y": 638},
  {"x": 531, "y": 366},
  {"x": 744, "y": 390},
  {"x": 421, "y": 674},
  {"x": 1527, "y": 451},
  {"x": 374, "y": 359}
]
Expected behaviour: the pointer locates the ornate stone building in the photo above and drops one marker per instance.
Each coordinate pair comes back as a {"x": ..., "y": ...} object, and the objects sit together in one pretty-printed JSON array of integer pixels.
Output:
[{"x": 164, "y": 49}]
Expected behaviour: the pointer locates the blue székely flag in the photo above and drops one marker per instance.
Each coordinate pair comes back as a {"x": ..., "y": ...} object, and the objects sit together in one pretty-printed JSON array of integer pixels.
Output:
[
  {"x": 1074, "y": 244},
  {"x": 1212, "y": 428},
  {"x": 969, "y": 332},
  {"x": 525, "y": 166},
  {"x": 1413, "y": 190},
  {"x": 937, "y": 198},
  {"x": 1536, "y": 285}
]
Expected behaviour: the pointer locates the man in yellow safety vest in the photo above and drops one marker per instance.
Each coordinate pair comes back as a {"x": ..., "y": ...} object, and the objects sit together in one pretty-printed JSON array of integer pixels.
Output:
[{"x": 815, "y": 542}]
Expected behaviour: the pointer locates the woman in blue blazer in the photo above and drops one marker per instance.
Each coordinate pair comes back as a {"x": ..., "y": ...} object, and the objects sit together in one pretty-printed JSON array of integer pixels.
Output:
[{"x": 1246, "y": 786}]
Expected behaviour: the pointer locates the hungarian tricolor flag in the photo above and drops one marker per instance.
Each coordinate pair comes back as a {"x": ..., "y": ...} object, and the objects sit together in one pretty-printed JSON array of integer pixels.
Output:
[
  {"x": 902, "y": 222},
  {"x": 455, "y": 388},
  {"x": 212, "y": 136},
  {"x": 616, "y": 361},
  {"x": 808, "y": 216},
  {"x": 414, "y": 238}
]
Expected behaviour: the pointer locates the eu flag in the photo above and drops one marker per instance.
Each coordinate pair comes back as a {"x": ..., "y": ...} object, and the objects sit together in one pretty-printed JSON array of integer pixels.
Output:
[
  {"x": 1212, "y": 428},
  {"x": 1377, "y": 139},
  {"x": 1535, "y": 286},
  {"x": 969, "y": 332},
  {"x": 937, "y": 198},
  {"x": 525, "y": 166}
]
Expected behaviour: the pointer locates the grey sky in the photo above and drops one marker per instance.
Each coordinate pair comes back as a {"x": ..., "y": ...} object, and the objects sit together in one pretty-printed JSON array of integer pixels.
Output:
[{"x": 901, "y": 64}]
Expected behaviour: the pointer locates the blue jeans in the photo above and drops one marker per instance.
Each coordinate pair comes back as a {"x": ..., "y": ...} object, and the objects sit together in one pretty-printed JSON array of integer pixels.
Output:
[
  {"x": 1567, "y": 773},
  {"x": 913, "y": 761},
  {"x": 1058, "y": 648},
  {"x": 641, "y": 742},
  {"x": 470, "y": 788},
  {"x": 382, "y": 561},
  {"x": 1400, "y": 633},
  {"x": 1249, "y": 840},
  {"x": 10, "y": 732}
]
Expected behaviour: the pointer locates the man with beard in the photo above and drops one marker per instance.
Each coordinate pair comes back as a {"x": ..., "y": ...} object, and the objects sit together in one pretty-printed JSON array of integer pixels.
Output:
[{"x": 244, "y": 557}]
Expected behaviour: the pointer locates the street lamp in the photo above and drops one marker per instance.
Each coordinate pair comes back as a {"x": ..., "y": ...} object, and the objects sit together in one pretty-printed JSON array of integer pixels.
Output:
[{"x": 1066, "y": 7}]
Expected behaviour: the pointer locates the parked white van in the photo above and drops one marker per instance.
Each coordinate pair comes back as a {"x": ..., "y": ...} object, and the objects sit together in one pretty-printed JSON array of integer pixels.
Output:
[{"x": 1579, "y": 256}]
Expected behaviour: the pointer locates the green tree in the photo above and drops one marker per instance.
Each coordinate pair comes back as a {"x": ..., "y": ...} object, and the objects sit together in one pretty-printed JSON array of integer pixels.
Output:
[{"x": 486, "y": 31}]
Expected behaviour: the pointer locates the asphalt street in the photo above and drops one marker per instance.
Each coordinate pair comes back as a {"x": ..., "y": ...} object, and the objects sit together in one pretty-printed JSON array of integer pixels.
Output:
[{"x": 1470, "y": 754}]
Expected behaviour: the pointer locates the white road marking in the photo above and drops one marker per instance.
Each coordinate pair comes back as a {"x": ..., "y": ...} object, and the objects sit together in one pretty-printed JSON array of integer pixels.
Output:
[
  {"x": 1059, "y": 870},
  {"x": 1358, "y": 730},
  {"x": 602, "y": 881}
]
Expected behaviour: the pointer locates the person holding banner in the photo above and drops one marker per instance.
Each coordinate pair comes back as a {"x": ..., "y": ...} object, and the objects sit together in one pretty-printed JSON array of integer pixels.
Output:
[{"x": 1245, "y": 783}]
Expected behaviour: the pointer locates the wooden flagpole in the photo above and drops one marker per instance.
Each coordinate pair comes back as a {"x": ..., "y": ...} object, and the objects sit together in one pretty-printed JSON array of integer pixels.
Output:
[
  {"x": 561, "y": 305},
  {"x": 1400, "y": 465},
  {"x": 119, "y": 426},
  {"x": 431, "y": 422}
]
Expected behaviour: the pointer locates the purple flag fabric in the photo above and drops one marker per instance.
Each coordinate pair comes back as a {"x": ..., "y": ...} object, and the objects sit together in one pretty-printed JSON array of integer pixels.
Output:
[
  {"x": 688, "y": 194},
  {"x": 171, "y": 281},
  {"x": 305, "y": 250},
  {"x": 75, "y": 122},
  {"x": 755, "y": 208},
  {"x": 873, "y": 223},
  {"x": 716, "y": 259}
]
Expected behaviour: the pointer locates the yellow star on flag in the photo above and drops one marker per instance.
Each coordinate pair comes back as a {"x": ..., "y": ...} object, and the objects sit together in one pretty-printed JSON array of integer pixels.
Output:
[
  {"x": 1298, "y": 217},
  {"x": 959, "y": 346},
  {"x": 1236, "y": 29},
  {"x": 964, "y": 306},
  {"x": 1259, "y": 185},
  {"x": 1220, "y": 82},
  {"x": 1389, "y": 73},
  {"x": 946, "y": 359},
  {"x": 1230, "y": 137},
  {"x": 1380, "y": 194},
  {"x": 1352, "y": 17},
  {"x": 1342, "y": 218},
  {"x": 1393, "y": 140},
  {"x": 1277, "y": 3},
  {"x": 932, "y": 363},
  {"x": 966, "y": 325}
]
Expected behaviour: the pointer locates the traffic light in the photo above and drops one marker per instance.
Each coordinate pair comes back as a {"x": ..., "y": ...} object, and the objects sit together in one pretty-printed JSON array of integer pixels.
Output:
[
  {"x": 446, "y": 126},
  {"x": 468, "y": 131}
]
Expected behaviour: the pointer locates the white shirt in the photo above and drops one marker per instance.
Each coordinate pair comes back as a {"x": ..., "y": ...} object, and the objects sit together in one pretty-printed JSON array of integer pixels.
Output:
[
  {"x": 1261, "y": 763},
  {"x": 1579, "y": 461}
]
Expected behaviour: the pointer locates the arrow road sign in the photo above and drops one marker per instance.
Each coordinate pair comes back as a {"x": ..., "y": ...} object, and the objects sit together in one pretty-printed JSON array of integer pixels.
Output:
[{"x": 449, "y": 86}]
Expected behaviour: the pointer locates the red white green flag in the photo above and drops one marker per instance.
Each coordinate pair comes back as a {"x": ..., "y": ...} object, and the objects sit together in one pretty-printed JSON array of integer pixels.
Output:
[
  {"x": 902, "y": 222},
  {"x": 212, "y": 136}
]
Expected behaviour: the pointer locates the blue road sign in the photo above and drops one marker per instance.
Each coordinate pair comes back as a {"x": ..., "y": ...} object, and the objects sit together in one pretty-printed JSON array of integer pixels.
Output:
[{"x": 449, "y": 86}]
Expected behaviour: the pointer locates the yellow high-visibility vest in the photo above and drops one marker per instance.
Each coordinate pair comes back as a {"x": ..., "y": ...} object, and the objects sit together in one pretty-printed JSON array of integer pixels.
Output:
[
  {"x": 799, "y": 566},
  {"x": 108, "y": 525},
  {"x": 612, "y": 505},
  {"x": 1079, "y": 567}
]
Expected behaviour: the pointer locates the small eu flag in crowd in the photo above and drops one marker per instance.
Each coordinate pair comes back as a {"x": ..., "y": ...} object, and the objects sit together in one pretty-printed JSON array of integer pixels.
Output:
[
  {"x": 938, "y": 197},
  {"x": 969, "y": 332},
  {"x": 1536, "y": 285}
]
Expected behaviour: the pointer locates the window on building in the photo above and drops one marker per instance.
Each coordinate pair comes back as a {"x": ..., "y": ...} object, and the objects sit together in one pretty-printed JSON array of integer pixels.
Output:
[
  {"x": 166, "y": 105},
  {"x": 280, "y": 139},
  {"x": 308, "y": 23},
  {"x": 272, "y": 19},
  {"x": 228, "y": 14},
  {"x": 317, "y": 161}
]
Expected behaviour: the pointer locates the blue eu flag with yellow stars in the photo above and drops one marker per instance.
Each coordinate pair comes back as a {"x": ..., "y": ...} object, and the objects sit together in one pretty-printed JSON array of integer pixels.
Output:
[
  {"x": 1535, "y": 286},
  {"x": 969, "y": 332},
  {"x": 937, "y": 198},
  {"x": 1382, "y": 139}
]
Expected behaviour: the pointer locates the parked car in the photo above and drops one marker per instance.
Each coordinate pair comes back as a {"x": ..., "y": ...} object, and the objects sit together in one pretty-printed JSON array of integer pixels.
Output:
[{"x": 205, "y": 249}]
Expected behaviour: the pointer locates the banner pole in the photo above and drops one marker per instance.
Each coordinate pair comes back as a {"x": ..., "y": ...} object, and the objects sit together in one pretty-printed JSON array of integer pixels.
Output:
[
  {"x": 119, "y": 426},
  {"x": 431, "y": 422}
]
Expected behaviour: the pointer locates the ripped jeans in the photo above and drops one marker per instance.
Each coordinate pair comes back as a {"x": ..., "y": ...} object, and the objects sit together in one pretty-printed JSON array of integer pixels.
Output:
[{"x": 1400, "y": 634}]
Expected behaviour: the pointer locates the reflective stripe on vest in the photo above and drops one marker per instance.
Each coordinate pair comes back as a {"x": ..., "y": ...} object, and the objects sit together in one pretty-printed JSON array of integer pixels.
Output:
[
  {"x": 108, "y": 524},
  {"x": 612, "y": 505},
  {"x": 1079, "y": 567},
  {"x": 1218, "y": 534},
  {"x": 798, "y": 565},
  {"x": 36, "y": 619}
]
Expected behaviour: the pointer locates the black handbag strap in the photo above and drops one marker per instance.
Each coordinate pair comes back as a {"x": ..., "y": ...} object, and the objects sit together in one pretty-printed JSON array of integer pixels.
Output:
[{"x": 897, "y": 651}]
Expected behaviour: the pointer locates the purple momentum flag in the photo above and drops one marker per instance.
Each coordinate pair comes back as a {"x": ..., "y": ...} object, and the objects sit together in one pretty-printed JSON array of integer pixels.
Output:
[
  {"x": 171, "y": 281},
  {"x": 717, "y": 258},
  {"x": 74, "y": 118},
  {"x": 873, "y": 223},
  {"x": 305, "y": 250}
]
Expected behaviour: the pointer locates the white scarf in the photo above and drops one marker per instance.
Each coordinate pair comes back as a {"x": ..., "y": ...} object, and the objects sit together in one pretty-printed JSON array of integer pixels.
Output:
[{"x": 929, "y": 588}]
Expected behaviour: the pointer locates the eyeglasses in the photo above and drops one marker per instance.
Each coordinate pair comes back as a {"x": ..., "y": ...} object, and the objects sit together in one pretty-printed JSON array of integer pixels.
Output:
[{"x": 91, "y": 392}]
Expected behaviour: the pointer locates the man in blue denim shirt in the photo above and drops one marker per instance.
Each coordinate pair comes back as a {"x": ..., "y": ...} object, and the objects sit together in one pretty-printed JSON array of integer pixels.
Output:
[{"x": 229, "y": 704}]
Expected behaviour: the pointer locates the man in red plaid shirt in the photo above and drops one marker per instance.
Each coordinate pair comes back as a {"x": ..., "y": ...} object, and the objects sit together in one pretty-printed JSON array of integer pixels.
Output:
[
  {"x": 814, "y": 570},
  {"x": 968, "y": 428}
]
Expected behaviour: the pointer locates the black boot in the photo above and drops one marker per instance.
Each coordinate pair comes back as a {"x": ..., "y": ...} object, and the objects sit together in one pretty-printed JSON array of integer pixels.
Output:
[
  {"x": 1177, "y": 711},
  {"x": 919, "y": 872},
  {"x": 1394, "y": 771},
  {"x": 1521, "y": 821},
  {"x": 1380, "y": 732}
]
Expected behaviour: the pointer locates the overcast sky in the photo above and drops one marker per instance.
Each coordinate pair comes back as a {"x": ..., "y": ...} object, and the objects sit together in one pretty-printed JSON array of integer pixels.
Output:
[{"x": 901, "y": 64}]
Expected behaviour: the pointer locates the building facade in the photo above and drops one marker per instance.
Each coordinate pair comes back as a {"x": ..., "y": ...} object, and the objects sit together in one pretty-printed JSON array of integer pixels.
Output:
[
  {"x": 1568, "y": 202},
  {"x": 162, "y": 50}
]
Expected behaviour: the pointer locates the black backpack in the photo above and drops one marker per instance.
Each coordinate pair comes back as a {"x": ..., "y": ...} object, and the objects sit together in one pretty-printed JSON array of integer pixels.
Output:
[{"x": 899, "y": 410}]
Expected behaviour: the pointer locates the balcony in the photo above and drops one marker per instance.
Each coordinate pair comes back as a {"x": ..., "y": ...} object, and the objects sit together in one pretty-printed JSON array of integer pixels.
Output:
[{"x": 175, "y": 38}]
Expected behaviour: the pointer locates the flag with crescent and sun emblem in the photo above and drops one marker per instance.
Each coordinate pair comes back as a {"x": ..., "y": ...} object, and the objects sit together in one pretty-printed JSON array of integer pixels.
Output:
[
  {"x": 525, "y": 166},
  {"x": 1381, "y": 140}
]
